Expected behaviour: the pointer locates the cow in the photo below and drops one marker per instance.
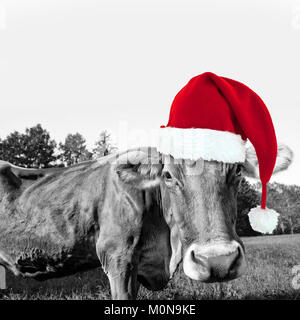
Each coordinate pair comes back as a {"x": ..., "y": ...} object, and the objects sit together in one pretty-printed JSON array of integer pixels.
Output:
[{"x": 137, "y": 213}]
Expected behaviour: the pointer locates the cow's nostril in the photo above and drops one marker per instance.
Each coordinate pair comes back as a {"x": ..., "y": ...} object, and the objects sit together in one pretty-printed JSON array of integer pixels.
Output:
[
  {"x": 198, "y": 259},
  {"x": 236, "y": 262},
  {"x": 237, "y": 257},
  {"x": 196, "y": 266},
  {"x": 226, "y": 267},
  {"x": 193, "y": 256}
]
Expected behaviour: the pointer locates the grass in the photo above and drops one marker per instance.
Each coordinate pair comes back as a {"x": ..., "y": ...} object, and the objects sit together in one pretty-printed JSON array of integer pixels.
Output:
[{"x": 269, "y": 276}]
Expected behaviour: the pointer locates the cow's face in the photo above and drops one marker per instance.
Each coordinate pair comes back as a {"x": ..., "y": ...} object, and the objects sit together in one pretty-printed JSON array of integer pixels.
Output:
[
  {"x": 200, "y": 198},
  {"x": 199, "y": 204}
]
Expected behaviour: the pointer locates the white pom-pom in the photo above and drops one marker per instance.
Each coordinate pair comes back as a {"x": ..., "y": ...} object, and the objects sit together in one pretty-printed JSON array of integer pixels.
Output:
[{"x": 263, "y": 220}]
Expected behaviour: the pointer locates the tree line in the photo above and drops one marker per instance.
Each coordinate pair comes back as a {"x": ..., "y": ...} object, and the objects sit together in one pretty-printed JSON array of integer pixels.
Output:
[
  {"x": 36, "y": 149},
  {"x": 285, "y": 199}
]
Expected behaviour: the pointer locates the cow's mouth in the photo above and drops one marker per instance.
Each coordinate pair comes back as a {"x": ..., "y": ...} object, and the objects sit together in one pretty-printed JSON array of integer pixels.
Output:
[{"x": 154, "y": 283}]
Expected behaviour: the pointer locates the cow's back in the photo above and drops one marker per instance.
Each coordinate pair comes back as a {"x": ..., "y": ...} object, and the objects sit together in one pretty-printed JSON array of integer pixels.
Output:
[{"x": 49, "y": 225}]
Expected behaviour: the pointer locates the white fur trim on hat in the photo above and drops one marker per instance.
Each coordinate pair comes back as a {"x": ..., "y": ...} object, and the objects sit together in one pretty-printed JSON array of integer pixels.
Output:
[
  {"x": 207, "y": 144},
  {"x": 263, "y": 220}
]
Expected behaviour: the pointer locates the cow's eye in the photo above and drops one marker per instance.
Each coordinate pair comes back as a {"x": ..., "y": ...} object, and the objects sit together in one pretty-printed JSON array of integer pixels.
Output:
[
  {"x": 169, "y": 181},
  {"x": 167, "y": 175},
  {"x": 238, "y": 171}
]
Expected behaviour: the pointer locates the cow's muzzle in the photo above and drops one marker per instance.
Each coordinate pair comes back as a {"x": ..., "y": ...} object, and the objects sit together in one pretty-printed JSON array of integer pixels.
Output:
[{"x": 214, "y": 262}]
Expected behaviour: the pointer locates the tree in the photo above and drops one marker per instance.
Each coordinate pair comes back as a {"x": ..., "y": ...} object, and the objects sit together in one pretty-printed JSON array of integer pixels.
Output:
[
  {"x": 285, "y": 199},
  {"x": 32, "y": 149},
  {"x": 103, "y": 145},
  {"x": 247, "y": 198},
  {"x": 12, "y": 149},
  {"x": 87, "y": 155},
  {"x": 38, "y": 147},
  {"x": 74, "y": 149}
]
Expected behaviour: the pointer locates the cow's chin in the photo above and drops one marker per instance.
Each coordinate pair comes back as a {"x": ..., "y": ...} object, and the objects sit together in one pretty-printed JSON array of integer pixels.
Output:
[
  {"x": 154, "y": 282},
  {"x": 214, "y": 262}
]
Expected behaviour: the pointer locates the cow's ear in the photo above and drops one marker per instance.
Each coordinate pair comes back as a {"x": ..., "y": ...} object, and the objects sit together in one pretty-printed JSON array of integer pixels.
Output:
[
  {"x": 139, "y": 169},
  {"x": 11, "y": 178},
  {"x": 283, "y": 161}
]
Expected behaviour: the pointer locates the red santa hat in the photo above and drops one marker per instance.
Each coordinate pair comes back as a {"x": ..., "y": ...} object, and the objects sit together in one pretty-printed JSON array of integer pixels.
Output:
[{"x": 211, "y": 118}]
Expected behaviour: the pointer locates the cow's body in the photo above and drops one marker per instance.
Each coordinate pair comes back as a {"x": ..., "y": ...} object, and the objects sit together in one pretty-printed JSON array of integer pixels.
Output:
[
  {"x": 51, "y": 222},
  {"x": 135, "y": 218},
  {"x": 49, "y": 226}
]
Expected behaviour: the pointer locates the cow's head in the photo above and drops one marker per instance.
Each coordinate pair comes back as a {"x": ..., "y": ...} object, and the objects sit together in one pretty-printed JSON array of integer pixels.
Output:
[{"x": 199, "y": 201}]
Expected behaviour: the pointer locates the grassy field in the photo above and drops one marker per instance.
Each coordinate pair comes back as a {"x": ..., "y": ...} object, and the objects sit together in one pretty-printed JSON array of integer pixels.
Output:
[{"x": 269, "y": 276}]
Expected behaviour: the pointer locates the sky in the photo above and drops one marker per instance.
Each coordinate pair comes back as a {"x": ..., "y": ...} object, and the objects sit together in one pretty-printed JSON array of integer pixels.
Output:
[{"x": 86, "y": 65}]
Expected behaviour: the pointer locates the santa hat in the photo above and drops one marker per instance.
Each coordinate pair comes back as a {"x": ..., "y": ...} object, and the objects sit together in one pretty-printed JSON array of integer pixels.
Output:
[{"x": 211, "y": 118}]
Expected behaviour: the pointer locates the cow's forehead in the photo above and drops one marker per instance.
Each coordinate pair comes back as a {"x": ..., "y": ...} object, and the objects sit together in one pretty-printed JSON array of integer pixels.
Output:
[
  {"x": 193, "y": 168},
  {"x": 189, "y": 167}
]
